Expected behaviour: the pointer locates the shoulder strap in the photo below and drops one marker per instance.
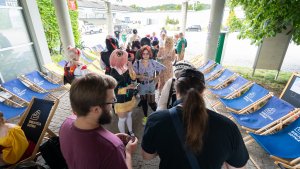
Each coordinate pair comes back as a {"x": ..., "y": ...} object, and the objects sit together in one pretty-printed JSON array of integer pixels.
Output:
[
  {"x": 170, "y": 92},
  {"x": 138, "y": 66},
  {"x": 180, "y": 133}
]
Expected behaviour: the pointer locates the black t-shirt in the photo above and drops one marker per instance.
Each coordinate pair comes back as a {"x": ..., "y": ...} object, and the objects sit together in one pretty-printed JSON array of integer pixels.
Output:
[
  {"x": 222, "y": 143},
  {"x": 123, "y": 81}
]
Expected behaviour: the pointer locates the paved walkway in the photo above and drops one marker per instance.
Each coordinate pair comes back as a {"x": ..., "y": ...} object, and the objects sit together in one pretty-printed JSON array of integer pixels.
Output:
[{"x": 64, "y": 110}]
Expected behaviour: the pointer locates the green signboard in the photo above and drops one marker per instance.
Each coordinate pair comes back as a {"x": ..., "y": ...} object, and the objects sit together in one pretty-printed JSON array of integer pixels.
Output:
[{"x": 220, "y": 47}]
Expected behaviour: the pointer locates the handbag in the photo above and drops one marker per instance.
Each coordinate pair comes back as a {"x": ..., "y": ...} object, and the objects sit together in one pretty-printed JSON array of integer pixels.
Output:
[
  {"x": 180, "y": 133},
  {"x": 51, "y": 153}
]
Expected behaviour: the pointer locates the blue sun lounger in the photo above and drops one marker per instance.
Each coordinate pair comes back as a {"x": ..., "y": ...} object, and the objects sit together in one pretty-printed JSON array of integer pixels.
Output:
[
  {"x": 85, "y": 58},
  {"x": 207, "y": 66},
  {"x": 42, "y": 81},
  {"x": 237, "y": 85},
  {"x": 213, "y": 72},
  {"x": 11, "y": 112},
  {"x": 225, "y": 77},
  {"x": 283, "y": 146},
  {"x": 255, "y": 95},
  {"x": 17, "y": 88},
  {"x": 267, "y": 115},
  {"x": 62, "y": 63}
]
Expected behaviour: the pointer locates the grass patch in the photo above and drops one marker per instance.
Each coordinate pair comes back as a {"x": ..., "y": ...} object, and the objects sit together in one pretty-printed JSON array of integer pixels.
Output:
[
  {"x": 265, "y": 78},
  {"x": 57, "y": 58}
]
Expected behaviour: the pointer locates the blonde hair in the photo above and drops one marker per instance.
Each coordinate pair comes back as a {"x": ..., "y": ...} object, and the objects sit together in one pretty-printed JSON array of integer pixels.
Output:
[{"x": 169, "y": 43}]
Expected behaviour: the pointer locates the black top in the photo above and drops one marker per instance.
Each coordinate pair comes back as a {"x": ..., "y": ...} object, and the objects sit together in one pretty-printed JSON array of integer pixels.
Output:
[
  {"x": 222, "y": 143},
  {"x": 123, "y": 81}
]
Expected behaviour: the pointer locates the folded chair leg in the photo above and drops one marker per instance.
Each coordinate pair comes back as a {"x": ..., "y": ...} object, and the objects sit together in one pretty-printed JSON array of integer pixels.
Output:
[{"x": 254, "y": 162}]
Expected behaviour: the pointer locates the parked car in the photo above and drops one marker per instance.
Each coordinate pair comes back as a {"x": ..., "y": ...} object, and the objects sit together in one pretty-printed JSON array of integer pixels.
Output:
[
  {"x": 90, "y": 29},
  {"x": 194, "y": 28},
  {"x": 122, "y": 28}
]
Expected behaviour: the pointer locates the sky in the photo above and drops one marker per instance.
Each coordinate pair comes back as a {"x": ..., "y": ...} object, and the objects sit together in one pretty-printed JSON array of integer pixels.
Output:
[{"x": 148, "y": 3}]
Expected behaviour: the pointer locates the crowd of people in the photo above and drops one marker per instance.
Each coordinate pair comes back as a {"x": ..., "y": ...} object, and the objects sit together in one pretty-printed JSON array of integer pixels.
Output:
[
  {"x": 179, "y": 129},
  {"x": 135, "y": 69}
]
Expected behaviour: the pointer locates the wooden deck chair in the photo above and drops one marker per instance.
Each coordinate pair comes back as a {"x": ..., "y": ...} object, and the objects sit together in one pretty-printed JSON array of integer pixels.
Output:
[
  {"x": 247, "y": 101},
  {"x": 96, "y": 63},
  {"x": 35, "y": 122},
  {"x": 62, "y": 63},
  {"x": 17, "y": 88},
  {"x": 91, "y": 55},
  {"x": 85, "y": 59},
  {"x": 283, "y": 145},
  {"x": 207, "y": 66},
  {"x": 214, "y": 72},
  {"x": 197, "y": 61},
  {"x": 224, "y": 78},
  {"x": 11, "y": 109},
  {"x": 234, "y": 89},
  {"x": 94, "y": 69},
  {"x": 42, "y": 81},
  {"x": 269, "y": 115},
  {"x": 55, "y": 71}
]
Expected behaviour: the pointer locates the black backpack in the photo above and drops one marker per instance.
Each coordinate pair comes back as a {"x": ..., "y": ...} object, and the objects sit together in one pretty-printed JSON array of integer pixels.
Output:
[{"x": 51, "y": 153}]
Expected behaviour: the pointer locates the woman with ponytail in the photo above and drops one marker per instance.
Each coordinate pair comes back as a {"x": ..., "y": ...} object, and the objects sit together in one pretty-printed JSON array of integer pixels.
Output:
[{"x": 212, "y": 139}]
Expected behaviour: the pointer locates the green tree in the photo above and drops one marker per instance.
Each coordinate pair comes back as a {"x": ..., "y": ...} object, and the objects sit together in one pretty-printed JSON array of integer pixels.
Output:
[
  {"x": 233, "y": 22},
  {"x": 50, "y": 25},
  {"x": 265, "y": 18},
  {"x": 75, "y": 27},
  {"x": 171, "y": 21}
]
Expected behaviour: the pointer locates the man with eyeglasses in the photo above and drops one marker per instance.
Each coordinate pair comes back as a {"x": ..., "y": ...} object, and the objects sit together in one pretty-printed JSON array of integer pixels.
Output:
[{"x": 84, "y": 142}]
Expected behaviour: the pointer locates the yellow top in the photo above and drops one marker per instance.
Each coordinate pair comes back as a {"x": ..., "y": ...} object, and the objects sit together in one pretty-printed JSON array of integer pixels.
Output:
[{"x": 14, "y": 145}]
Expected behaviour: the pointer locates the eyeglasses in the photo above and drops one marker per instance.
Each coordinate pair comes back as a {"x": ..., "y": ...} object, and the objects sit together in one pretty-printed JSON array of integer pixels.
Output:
[
  {"x": 145, "y": 53},
  {"x": 113, "y": 102}
]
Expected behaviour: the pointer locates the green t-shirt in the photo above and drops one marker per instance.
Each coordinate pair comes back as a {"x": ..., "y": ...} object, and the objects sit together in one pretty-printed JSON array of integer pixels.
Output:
[{"x": 179, "y": 44}]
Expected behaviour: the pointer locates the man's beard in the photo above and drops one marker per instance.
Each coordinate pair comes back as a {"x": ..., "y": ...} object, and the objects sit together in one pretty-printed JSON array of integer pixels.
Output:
[{"x": 105, "y": 117}]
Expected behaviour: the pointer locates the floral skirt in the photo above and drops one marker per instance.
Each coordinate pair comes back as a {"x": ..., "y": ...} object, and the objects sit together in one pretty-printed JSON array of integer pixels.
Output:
[{"x": 125, "y": 107}]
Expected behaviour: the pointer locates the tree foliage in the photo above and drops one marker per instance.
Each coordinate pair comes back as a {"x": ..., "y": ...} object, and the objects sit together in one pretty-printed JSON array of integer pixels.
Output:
[
  {"x": 171, "y": 21},
  {"x": 265, "y": 18},
  {"x": 233, "y": 22},
  {"x": 51, "y": 28},
  {"x": 176, "y": 7}
]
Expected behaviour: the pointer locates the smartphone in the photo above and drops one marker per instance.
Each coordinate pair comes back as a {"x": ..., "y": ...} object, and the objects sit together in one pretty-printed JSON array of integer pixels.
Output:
[
  {"x": 128, "y": 138},
  {"x": 132, "y": 138}
]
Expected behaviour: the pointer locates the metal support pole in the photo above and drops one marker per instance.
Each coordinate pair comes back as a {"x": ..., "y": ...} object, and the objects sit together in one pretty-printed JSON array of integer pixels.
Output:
[
  {"x": 64, "y": 24},
  {"x": 184, "y": 8},
  {"x": 215, "y": 21},
  {"x": 109, "y": 18}
]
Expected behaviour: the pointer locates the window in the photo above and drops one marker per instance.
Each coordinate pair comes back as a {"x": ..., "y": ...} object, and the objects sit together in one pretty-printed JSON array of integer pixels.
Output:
[{"x": 17, "y": 54}]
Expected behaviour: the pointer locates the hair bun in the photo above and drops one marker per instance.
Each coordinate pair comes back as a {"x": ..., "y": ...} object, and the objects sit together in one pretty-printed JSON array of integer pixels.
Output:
[{"x": 192, "y": 73}]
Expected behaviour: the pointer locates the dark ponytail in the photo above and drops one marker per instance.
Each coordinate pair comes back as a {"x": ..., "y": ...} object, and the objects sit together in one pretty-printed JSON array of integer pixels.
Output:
[
  {"x": 190, "y": 85},
  {"x": 195, "y": 119}
]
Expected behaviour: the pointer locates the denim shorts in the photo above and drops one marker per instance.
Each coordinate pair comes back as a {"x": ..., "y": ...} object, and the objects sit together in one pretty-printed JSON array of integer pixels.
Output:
[{"x": 147, "y": 88}]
